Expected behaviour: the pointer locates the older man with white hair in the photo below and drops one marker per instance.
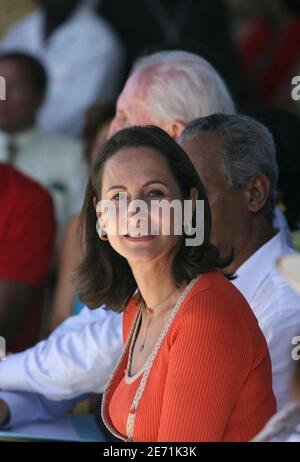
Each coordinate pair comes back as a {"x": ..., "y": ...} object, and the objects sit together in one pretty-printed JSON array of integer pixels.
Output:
[
  {"x": 169, "y": 89},
  {"x": 78, "y": 357}
]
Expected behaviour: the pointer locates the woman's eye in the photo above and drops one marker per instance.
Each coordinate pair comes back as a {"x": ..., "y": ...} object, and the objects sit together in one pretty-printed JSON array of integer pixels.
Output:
[
  {"x": 117, "y": 197},
  {"x": 156, "y": 193}
]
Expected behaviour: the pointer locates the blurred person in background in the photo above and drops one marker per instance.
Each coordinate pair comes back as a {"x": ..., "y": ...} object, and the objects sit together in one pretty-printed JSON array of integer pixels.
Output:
[
  {"x": 82, "y": 56},
  {"x": 27, "y": 231},
  {"x": 65, "y": 300},
  {"x": 269, "y": 48},
  {"x": 190, "y": 24},
  {"x": 53, "y": 160}
]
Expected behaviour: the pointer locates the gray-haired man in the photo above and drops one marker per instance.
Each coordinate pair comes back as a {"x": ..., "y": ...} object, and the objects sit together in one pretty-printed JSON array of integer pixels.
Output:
[{"x": 236, "y": 160}]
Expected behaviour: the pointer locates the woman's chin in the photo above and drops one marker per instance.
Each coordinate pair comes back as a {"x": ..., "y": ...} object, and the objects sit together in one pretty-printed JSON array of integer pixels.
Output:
[
  {"x": 141, "y": 253},
  {"x": 140, "y": 256}
]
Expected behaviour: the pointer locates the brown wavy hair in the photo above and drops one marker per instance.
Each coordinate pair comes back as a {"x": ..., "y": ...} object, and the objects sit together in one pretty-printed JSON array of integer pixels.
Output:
[{"x": 104, "y": 276}]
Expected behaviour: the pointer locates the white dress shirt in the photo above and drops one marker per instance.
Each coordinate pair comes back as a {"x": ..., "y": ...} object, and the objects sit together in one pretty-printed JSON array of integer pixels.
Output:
[
  {"x": 277, "y": 308},
  {"x": 83, "y": 58},
  {"x": 81, "y": 353},
  {"x": 280, "y": 222},
  {"x": 56, "y": 162}
]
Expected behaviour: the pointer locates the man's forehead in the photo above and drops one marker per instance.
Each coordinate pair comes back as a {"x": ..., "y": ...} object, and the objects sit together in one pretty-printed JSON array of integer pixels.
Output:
[
  {"x": 204, "y": 145},
  {"x": 135, "y": 92},
  {"x": 204, "y": 152}
]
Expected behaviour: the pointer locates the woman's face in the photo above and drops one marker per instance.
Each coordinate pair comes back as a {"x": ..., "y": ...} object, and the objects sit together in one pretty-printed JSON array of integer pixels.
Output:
[{"x": 139, "y": 234}]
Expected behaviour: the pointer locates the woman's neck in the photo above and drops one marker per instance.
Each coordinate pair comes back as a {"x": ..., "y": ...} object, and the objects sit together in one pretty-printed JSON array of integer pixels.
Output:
[{"x": 156, "y": 284}]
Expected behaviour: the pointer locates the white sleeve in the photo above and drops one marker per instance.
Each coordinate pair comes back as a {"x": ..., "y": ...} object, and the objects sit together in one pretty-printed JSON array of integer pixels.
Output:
[
  {"x": 279, "y": 335},
  {"x": 91, "y": 73},
  {"x": 280, "y": 222},
  {"x": 25, "y": 408},
  {"x": 77, "y": 358}
]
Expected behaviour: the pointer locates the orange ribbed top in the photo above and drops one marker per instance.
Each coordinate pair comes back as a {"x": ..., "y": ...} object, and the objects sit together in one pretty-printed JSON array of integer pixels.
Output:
[{"x": 211, "y": 378}]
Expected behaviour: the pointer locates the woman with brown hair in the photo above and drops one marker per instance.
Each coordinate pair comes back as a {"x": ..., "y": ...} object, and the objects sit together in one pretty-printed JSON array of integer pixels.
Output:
[{"x": 195, "y": 366}]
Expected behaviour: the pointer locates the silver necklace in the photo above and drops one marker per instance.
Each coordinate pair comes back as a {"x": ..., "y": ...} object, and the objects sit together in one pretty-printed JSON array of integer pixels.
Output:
[{"x": 149, "y": 312}]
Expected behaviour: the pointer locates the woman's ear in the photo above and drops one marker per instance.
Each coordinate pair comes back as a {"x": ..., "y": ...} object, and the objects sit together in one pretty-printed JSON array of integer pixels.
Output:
[{"x": 95, "y": 202}]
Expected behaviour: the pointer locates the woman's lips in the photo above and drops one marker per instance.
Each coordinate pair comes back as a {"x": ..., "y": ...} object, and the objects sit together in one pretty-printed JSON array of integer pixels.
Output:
[{"x": 139, "y": 238}]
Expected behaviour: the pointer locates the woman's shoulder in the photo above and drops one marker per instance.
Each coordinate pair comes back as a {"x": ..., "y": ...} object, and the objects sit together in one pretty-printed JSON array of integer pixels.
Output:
[
  {"x": 216, "y": 282},
  {"x": 215, "y": 301},
  {"x": 212, "y": 315}
]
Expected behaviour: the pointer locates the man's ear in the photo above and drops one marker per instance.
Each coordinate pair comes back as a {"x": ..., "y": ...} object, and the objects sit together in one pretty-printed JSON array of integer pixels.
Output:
[
  {"x": 257, "y": 192},
  {"x": 174, "y": 128}
]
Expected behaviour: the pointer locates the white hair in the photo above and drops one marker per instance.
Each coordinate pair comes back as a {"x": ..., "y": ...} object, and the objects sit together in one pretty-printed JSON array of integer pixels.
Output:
[{"x": 183, "y": 86}]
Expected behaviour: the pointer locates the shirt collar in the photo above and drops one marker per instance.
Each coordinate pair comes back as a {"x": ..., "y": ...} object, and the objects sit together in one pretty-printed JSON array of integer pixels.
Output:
[{"x": 253, "y": 271}]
